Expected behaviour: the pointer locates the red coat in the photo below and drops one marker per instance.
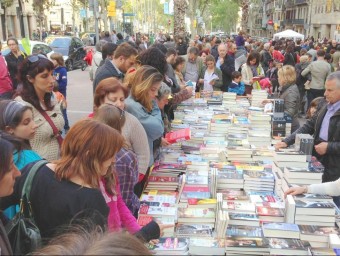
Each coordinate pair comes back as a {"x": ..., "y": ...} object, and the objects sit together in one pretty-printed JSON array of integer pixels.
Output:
[{"x": 5, "y": 79}]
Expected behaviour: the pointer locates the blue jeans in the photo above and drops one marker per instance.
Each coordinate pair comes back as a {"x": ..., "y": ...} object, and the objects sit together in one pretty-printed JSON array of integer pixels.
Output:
[{"x": 66, "y": 126}]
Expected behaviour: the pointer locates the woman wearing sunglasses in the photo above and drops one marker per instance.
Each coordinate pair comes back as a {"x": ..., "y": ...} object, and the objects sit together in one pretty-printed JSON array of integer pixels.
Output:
[{"x": 37, "y": 82}]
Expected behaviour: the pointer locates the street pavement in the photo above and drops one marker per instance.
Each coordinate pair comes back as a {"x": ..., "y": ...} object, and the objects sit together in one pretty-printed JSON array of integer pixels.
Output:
[{"x": 79, "y": 95}]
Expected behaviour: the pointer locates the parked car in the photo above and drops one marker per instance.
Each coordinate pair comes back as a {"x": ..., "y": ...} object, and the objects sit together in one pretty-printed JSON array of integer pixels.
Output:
[
  {"x": 37, "y": 47},
  {"x": 88, "y": 38},
  {"x": 72, "y": 49}
]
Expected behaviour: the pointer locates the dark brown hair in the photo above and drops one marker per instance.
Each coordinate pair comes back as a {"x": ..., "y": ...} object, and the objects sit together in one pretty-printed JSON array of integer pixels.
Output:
[
  {"x": 29, "y": 69},
  {"x": 253, "y": 55},
  {"x": 125, "y": 50}
]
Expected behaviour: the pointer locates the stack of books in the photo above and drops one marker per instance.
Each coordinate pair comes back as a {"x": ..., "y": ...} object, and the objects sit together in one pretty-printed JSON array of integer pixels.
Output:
[
  {"x": 281, "y": 230},
  {"x": 229, "y": 177},
  {"x": 288, "y": 246},
  {"x": 259, "y": 180},
  {"x": 317, "y": 236},
  {"x": 229, "y": 98},
  {"x": 258, "y": 96},
  {"x": 238, "y": 153}
]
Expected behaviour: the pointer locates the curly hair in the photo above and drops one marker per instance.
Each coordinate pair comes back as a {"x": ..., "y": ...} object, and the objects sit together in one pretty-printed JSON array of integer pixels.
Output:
[{"x": 154, "y": 58}]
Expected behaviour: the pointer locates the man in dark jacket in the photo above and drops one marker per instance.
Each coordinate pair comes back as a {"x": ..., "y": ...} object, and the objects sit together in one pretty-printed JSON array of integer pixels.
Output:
[
  {"x": 325, "y": 126},
  {"x": 124, "y": 57},
  {"x": 228, "y": 67}
]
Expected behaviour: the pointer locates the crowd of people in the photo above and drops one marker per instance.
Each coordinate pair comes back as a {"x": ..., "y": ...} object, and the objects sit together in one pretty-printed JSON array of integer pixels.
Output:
[{"x": 99, "y": 169}]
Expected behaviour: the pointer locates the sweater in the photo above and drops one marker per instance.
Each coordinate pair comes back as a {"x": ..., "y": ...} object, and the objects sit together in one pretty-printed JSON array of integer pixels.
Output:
[
  {"x": 121, "y": 218},
  {"x": 44, "y": 142},
  {"x": 60, "y": 74},
  {"x": 56, "y": 203},
  {"x": 136, "y": 139},
  {"x": 97, "y": 58},
  {"x": 329, "y": 188},
  {"x": 151, "y": 121}
]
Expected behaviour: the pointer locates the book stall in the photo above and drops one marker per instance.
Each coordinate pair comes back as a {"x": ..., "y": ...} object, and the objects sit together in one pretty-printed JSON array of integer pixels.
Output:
[{"x": 221, "y": 184}]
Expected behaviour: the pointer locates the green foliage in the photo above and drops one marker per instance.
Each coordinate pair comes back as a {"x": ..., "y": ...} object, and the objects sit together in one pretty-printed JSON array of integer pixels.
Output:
[
  {"x": 6, "y": 3},
  {"x": 224, "y": 15}
]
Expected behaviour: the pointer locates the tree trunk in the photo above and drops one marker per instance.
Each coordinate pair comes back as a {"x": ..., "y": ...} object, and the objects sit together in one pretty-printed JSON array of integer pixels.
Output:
[
  {"x": 180, "y": 7},
  {"x": 192, "y": 15},
  {"x": 245, "y": 14},
  {"x": 104, "y": 14}
]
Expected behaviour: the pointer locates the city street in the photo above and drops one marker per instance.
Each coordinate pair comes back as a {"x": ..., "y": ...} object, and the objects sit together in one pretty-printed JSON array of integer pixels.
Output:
[{"x": 79, "y": 95}]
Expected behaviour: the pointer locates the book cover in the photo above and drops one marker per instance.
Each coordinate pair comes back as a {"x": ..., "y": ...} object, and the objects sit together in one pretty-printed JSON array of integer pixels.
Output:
[
  {"x": 170, "y": 244},
  {"x": 313, "y": 205},
  {"x": 239, "y": 206},
  {"x": 196, "y": 213},
  {"x": 269, "y": 211},
  {"x": 244, "y": 231},
  {"x": 154, "y": 210},
  {"x": 163, "y": 179},
  {"x": 281, "y": 226},
  {"x": 318, "y": 230},
  {"x": 244, "y": 242},
  {"x": 193, "y": 230},
  {"x": 179, "y": 135},
  {"x": 243, "y": 216},
  {"x": 288, "y": 243}
]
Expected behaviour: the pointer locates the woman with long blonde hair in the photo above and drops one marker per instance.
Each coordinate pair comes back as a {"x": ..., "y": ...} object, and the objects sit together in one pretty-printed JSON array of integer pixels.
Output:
[{"x": 142, "y": 104}]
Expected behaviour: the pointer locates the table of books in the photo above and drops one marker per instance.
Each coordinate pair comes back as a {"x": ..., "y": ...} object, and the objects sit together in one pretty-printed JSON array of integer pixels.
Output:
[{"x": 221, "y": 184}]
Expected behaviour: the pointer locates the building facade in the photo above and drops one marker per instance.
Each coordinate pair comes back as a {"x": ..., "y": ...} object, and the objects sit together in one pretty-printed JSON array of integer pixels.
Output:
[
  {"x": 325, "y": 18},
  {"x": 17, "y": 20}
]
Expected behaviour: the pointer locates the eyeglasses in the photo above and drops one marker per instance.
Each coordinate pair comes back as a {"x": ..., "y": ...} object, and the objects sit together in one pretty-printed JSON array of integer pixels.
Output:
[
  {"x": 36, "y": 57},
  {"x": 122, "y": 112}
]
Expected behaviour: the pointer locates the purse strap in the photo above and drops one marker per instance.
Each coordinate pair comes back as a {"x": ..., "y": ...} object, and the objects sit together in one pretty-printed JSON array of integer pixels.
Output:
[
  {"x": 56, "y": 132},
  {"x": 26, "y": 190}
]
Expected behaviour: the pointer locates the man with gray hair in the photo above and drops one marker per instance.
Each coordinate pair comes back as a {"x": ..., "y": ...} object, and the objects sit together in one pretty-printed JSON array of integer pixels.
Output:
[
  {"x": 194, "y": 67},
  {"x": 97, "y": 58},
  {"x": 266, "y": 58},
  {"x": 325, "y": 126}
]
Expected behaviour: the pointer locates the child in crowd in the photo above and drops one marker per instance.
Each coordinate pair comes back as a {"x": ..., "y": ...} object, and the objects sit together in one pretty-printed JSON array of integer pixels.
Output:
[
  {"x": 315, "y": 106},
  {"x": 18, "y": 127},
  {"x": 60, "y": 74},
  {"x": 59, "y": 97},
  {"x": 236, "y": 85},
  {"x": 272, "y": 75}
]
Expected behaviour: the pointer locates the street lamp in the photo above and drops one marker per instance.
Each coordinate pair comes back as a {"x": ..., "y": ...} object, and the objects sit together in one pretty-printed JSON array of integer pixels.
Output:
[{"x": 210, "y": 24}]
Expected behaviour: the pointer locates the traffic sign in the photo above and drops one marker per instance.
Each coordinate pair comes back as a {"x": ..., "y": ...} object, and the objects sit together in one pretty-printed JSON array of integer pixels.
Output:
[{"x": 129, "y": 14}]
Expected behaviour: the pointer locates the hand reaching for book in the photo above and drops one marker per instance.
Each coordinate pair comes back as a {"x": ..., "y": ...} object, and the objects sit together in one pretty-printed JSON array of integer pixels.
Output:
[
  {"x": 296, "y": 191},
  {"x": 165, "y": 143},
  {"x": 280, "y": 144}
]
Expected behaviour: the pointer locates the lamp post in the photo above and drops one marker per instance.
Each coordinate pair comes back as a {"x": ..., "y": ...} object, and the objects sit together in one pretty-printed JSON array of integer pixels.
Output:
[{"x": 210, "y": 24}]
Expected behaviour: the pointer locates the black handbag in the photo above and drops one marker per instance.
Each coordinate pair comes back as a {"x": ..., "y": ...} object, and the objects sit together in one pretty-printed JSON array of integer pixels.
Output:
[{"x": 23, "y": 234}]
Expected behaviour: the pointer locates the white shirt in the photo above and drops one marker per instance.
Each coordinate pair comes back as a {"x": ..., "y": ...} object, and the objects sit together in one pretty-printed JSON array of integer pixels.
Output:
[{"x": 208, "y": 77}]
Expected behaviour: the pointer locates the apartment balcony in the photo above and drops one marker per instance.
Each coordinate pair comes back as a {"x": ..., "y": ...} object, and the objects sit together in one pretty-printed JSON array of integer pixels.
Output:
[
  {"x": 294, "y": 22},
  {"x": 289, "y": 3},
  {"x": 300, "y": 2}
]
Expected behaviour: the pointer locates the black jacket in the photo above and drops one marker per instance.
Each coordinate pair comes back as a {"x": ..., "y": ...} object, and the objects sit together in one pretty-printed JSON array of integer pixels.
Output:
[
  {"x": 227, "y": 68},
  {"x": 331, "y": 160},
  {"x": 13, "y": 64},
  {"x": 105, "y": 71}
]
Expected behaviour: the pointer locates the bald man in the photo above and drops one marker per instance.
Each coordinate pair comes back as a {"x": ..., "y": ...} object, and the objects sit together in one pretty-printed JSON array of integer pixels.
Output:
[{"x": 222, "y": 52}]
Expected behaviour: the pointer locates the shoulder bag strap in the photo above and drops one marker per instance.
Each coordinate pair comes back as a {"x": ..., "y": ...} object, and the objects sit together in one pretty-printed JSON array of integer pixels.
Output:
[
  {"x": 56, "y": 132},
  {"x": 26, "y": 190}
]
